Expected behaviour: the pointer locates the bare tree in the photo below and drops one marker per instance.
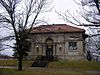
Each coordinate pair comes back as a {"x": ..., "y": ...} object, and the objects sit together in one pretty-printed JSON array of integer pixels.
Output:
[
  {"x": 0, "y": 45},
  {"x": 21, "y": 16},
  {"x": 89, "y": 14},
  {"x": 89, "y": 11}
]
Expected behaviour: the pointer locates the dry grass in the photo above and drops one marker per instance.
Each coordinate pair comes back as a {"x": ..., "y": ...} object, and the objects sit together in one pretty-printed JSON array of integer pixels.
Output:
[
  {"x": 82, "y": 65},
  {"x": 8, "y": 62},
  {"x": 44, "y": 71},
  {"x": 14, "y": 63},
  {"x": 54, "y": 68}
]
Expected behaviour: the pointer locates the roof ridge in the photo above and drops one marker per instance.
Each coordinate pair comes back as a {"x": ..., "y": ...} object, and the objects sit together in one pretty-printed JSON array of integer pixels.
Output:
[
  {"x": 53, "y": 25},
  {"x": 57, "y": 28},
  {"x": 75, "y": 27}
]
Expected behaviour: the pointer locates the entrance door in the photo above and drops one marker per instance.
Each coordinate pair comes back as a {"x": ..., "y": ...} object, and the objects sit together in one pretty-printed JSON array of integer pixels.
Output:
[{"x": 49, "y": 50}]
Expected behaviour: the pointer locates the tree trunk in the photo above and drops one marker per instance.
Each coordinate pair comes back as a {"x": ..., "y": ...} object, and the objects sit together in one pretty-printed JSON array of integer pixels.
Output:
[{"x": 20, "y": 59}]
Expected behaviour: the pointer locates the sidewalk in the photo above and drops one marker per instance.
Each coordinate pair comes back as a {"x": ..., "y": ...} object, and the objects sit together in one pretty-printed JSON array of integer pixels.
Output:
[{"x": 8, "y": 67}]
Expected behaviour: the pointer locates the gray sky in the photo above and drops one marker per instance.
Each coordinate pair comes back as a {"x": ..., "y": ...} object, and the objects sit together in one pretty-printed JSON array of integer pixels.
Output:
[
  {"x": 52, "y": 17},
  {"x": 60, "y": 6}
]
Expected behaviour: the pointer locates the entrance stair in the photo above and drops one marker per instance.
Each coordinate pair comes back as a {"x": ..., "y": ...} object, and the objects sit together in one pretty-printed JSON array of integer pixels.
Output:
[{"x": 42, "y": 61}]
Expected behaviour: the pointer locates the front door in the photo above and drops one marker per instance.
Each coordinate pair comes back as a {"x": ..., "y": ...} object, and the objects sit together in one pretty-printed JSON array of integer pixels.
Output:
[{"x": 49, "y": 50}]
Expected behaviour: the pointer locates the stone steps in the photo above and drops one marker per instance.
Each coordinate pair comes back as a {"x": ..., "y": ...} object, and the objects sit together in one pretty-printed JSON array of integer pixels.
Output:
[{"x": 42, "y": 61}]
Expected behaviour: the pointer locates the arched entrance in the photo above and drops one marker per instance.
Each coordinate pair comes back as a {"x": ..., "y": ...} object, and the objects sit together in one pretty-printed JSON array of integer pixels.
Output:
[{"x": 49, "y": 47}]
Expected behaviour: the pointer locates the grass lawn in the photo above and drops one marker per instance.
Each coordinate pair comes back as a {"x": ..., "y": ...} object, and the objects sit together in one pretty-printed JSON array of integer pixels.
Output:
[
  {"x": 82, "y": 65},
  {"x": 44, "y": 71},
  {"x": 14, "y": 63},
  {"x": 54, "y": 68}
]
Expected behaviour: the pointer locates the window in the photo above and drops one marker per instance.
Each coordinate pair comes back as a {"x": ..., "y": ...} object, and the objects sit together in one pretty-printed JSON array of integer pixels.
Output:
[{"x": 72, "y": 45}]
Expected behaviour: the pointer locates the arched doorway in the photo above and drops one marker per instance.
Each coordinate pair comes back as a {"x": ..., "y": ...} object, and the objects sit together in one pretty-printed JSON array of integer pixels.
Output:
[{"x": 49, "y": 47}]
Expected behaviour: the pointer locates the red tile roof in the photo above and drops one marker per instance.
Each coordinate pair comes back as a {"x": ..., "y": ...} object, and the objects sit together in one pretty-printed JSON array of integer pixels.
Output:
[{"x": 56, "y": 28}]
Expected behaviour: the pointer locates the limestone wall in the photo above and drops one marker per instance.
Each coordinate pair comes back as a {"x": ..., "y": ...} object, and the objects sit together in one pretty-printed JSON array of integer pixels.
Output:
[{"x": 59, "y": 40}]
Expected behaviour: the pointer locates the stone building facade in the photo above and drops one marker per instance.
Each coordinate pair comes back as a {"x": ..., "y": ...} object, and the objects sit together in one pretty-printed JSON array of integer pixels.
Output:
[{"x": 60, "y": 40}]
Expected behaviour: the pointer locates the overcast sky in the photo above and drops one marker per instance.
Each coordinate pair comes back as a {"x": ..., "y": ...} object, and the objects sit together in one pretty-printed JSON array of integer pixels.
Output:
[
  {"x": 60, "y": 6},
  {"x": 52, "y": 17}
]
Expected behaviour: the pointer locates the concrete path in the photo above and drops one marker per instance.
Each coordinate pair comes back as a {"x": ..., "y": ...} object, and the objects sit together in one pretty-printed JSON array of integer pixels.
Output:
[{"x": 8, "y": 67}]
